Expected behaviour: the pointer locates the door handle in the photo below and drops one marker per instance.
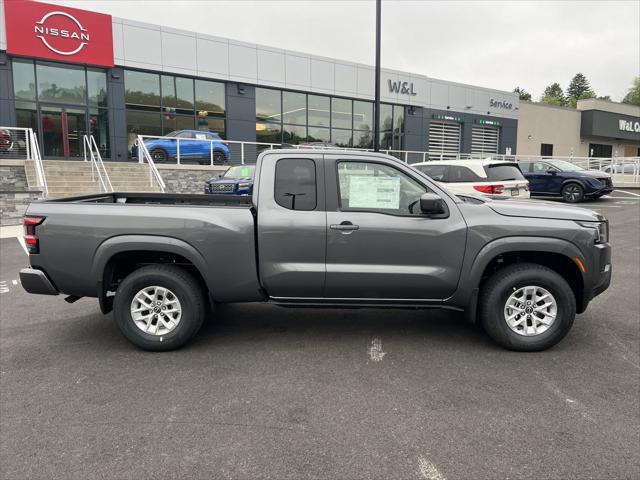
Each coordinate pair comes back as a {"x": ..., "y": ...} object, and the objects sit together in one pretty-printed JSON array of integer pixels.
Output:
[{"x": 344, "y": 227}]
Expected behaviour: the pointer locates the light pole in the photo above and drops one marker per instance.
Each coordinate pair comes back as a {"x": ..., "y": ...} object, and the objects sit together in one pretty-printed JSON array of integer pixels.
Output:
[{"x": 376, "y": 103}]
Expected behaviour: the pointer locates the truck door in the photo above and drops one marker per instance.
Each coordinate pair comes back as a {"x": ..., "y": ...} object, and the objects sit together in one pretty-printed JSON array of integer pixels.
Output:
[
  {"x": 379, "y": 244},
  {"x": 292, "y": 225}
]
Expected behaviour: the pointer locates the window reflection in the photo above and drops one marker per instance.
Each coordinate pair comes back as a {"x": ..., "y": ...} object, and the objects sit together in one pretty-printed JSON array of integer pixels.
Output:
[{"x": 61, "y": 84}]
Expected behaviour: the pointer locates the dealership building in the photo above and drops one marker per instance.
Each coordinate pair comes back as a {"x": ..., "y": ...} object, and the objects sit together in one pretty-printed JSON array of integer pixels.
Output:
[{"x": 66, "y": 72}]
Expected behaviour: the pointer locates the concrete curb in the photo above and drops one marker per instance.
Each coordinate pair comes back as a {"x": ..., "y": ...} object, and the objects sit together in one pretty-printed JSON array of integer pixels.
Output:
[{"x": 10, "y": 231}]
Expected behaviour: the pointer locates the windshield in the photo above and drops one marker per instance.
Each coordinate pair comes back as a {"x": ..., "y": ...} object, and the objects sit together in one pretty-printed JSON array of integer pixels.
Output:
[
  {"x": 241, "y": 171},
  {"x": 565, "y": 166},
  {"x": 503, "y": 172}
]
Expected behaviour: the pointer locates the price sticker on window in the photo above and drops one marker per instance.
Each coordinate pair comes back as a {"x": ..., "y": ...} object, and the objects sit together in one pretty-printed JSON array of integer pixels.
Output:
[{"x": 374, "y": 192}]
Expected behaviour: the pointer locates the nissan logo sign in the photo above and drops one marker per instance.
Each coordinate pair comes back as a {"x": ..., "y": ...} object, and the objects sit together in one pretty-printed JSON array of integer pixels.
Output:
[{"x": 47, "y": 29}]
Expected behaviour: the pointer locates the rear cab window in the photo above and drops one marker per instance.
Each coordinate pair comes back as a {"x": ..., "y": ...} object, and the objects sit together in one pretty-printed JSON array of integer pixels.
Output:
[
  {"x": 503, "y": 172},
  {"x": 295, "y": 184}
]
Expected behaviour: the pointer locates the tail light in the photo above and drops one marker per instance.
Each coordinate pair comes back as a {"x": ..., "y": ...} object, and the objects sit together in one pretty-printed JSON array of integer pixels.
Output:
[
  {"x": 30, "y": 238},
  {"x": 490, "y": 189}
]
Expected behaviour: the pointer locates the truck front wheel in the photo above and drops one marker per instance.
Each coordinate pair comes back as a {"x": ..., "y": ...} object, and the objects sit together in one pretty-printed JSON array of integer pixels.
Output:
[
  {"x": 527, "y": 307},
  {"x": 159, "y": 307}
]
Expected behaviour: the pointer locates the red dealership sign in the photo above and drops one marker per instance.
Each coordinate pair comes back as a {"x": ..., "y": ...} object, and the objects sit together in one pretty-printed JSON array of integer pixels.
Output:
[{"x": 41, "y": 30}]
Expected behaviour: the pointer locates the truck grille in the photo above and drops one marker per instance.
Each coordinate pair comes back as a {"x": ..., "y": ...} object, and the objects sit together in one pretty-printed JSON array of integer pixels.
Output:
[{"x": 221, "y": 187}]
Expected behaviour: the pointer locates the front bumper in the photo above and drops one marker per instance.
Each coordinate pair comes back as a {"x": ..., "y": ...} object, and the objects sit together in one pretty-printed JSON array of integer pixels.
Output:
[
  {"x": 36, "y": 281},
  {"x": 600, "y": 277}
]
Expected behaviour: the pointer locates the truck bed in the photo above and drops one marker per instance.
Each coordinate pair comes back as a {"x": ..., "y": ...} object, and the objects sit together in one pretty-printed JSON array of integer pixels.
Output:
[{"x": 138, "y": 198}]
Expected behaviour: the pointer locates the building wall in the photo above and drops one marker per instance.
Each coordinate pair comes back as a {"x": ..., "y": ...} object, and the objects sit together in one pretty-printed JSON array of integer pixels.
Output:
[
  {"x": 164, "y": 49},
  {"x": 559, "y": 126}
]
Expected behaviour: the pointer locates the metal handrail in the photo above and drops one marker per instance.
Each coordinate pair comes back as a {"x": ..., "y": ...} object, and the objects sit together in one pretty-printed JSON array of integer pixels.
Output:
[
  {"x": 34, "y": 149},
  {"x": 153, "y": 170},
  {"x": 97, "y": 165}
]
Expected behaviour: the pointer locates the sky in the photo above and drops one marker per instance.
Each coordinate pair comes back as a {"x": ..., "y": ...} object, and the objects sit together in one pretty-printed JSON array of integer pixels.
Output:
[{"x": 495, "y": 44}]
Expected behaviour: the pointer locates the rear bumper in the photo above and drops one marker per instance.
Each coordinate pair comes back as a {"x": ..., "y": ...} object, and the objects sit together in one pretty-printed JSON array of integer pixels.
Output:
[{"x": 36, "y": 281}]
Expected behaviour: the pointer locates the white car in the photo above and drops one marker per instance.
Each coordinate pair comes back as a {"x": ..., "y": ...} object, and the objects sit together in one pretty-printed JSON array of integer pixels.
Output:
[{"x": 493, "y": 178}]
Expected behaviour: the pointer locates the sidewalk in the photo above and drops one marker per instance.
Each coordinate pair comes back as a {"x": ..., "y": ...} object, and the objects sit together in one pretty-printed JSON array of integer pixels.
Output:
[{"x": 11, "y": 231}]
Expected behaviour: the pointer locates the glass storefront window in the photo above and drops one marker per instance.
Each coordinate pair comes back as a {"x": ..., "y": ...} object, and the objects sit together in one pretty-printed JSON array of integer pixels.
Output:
[
  {"x": 142, "y": 123},
  {"x": 61, "y": 84},
  {"x": 362, "y": 139},
  {"x": 99, "y": 128},
  {"x": 268, "y": 132},
  {"x": 168, "y": 91},
  {"x": 268, "y": 106},
  {"x": 27, "y": 115},
  {"x": 398, "y": 119},
  {"x": 210, "y": 97},
  {"x": 341, "y": 113},
  {"x": 211, "y": 124},
  {"x": 341, "y": 138},
  {"x": 184, "y": 94},
  {"x": 97, "y": 88},
  {"x": 386, "y": 117},
  {"x": 362, "y": 115},
  {"x": 294, "y": 134},
  {"x": 319, "y": 134},
  {"x": 177, "y": 122},
  {"x": 141, "y": 89},
  {"x": 294, "y": 108},
  {"x": 24, "y": 80},
  {"x": 318, "y": 111}
]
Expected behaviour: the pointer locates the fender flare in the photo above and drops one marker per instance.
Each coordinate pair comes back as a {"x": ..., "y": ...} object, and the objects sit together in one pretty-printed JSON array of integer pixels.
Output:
[
  {"x": 505, "y": 245},
  {"x": 150, "y": 243}
]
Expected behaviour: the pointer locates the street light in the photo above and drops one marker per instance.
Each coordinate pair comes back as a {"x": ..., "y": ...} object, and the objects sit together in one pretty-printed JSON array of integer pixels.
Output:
[{"x": 376, "y": 103}]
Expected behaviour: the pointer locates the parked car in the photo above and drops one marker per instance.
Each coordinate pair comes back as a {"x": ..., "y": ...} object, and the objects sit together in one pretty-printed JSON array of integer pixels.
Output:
[
  {"x": 237, "y": 180},
  {"x": 194, "y": 144},
  {"x": 492, "y": 178},
  {"x": 624, "y": 165},
  {"x": 559, "y": 178},
  {"x": 328, "y": 228},
  {"x": 6, "y": 141}
]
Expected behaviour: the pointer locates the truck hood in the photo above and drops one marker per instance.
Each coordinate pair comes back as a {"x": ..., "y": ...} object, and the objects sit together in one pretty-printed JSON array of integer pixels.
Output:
[
  {"x": 538, "y": 209},
  {"x": 230, "y": 180}
]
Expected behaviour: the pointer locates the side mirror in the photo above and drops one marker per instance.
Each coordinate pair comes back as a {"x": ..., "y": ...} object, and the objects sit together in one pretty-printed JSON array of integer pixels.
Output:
[
  {"x": 552, "y": 171},
  {"x": 432, "y": 204}
]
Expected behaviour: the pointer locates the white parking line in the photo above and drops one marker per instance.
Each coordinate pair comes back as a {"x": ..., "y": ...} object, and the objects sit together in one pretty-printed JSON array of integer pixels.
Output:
[
  {"x": 375, "y": 350},
  {"x": 428, "y": 470},
  {"x": 15, "y": 282},
  {"x": 3, "y": 287},
  {"x": 628, "y": 193}
]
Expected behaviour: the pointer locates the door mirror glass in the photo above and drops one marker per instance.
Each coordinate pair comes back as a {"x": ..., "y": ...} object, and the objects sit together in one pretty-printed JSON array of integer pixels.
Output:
[
  {"x": 552, "y": 171},
  {"x": 432, "y": 204}
]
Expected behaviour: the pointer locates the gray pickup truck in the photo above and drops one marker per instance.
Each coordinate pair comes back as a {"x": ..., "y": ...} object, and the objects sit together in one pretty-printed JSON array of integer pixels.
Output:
[{"x": 324, "y": 228}]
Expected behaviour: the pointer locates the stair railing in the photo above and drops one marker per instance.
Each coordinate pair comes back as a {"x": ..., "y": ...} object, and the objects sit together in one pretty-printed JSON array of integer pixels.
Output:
[
  {"x": 154, "y": 173},
  {"x": 97, "y": 165},
  {"x": 34, "y": 154}
]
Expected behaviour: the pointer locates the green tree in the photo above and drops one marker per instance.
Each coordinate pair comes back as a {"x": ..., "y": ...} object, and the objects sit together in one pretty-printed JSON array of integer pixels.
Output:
[
  {"x": 553, "y": 95},
  {"x": 524, "y": 95},
  {"x": 579, "y": 89},
  {"x": 633, "y": 96}
]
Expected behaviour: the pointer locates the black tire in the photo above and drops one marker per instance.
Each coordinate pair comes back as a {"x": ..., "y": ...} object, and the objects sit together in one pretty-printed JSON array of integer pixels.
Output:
[
  {"x": 182, "y": 284},
  {"x": 572, "y": 193},
  {"x": 159, "y": 155},
  {"x": 499, "y": 288},
  {"x": 219, "y": 158}
]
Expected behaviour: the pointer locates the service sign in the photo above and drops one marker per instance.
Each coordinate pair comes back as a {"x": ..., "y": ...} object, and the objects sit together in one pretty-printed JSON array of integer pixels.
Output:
[{"x": 55, "y": 32}]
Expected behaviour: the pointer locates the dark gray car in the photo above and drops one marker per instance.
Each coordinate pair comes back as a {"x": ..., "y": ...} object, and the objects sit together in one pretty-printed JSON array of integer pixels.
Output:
[{"x": 327, "y": 228}]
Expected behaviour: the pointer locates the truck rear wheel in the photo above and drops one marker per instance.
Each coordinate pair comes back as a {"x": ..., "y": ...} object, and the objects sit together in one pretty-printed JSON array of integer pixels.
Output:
[
  {"x": 159, "y": 307},
  {"x": 527, "y": 307}
]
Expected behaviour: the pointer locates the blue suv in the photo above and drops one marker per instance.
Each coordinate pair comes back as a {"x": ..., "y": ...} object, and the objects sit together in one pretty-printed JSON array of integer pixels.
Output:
[
  {"x": 196, "y": 145},
  {"x": 237, "y": 180},
  {"x": 559, "y": 178}
]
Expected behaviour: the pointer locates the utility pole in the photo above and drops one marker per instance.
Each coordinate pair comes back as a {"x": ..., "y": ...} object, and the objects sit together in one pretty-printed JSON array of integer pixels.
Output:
[{"x": 376, "y": 104}]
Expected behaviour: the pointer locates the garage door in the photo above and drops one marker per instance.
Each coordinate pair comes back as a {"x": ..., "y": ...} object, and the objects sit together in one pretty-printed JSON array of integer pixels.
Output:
[
  {"x": 485, "y": 139},
  {"x": 444, "y": 137}
]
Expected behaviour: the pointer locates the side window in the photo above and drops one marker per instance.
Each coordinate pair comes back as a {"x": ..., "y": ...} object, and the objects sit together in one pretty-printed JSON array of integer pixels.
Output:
[
  {"x": 525, "y": 167},
  {"x": 380, "y": 188},
  {"x": 295, "y": 186},
  {"x": 463, "y": 174},
  {"x": 185, "y": 135},
  {"x": 436, "y": 172},
  {"x": 540, "y": 167}
]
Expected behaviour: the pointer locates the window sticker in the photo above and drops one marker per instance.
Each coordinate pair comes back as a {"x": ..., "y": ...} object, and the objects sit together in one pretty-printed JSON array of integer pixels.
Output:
[
  {"x": 374, "y": 192},
  {"x": 201, "y": 136}
]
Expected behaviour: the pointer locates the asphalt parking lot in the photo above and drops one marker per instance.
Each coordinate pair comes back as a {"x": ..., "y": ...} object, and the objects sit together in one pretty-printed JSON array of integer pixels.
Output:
[{"x": 268, "y": 392}]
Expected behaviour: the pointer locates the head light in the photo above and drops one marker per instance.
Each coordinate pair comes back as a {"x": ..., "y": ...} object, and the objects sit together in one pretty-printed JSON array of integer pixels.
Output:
[
  {"x": 244, "y": 185},
  {"x": 601, "y": 228}
]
